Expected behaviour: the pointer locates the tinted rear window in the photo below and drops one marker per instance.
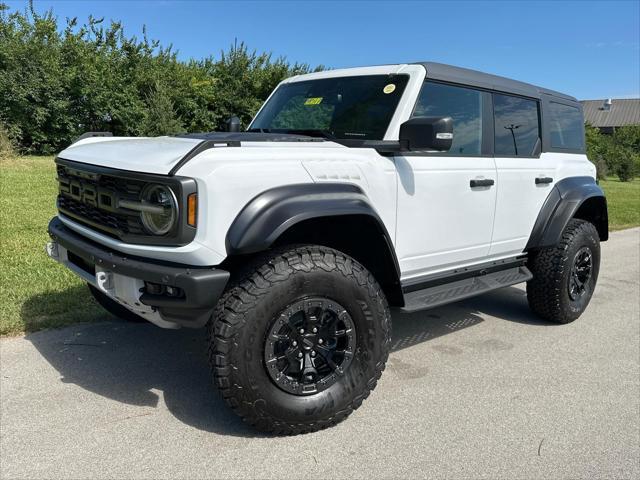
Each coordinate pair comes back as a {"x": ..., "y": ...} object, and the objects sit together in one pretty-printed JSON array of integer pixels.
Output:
[
  {"x": 566, "y": 127},
  {"x": 516, "y": 125}
]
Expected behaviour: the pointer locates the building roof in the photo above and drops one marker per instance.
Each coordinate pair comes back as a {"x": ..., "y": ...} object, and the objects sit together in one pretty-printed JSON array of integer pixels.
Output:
[
  {"x": 440, "y": 71},
  {"x": 623, "y": 111}
]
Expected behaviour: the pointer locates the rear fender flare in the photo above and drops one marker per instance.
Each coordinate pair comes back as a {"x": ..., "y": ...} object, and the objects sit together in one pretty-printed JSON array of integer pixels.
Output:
[{"x": 561, "y": 205}]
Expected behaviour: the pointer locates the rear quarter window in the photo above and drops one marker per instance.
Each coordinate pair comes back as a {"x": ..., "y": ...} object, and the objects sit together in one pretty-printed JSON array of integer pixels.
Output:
[{"x": 566, "y": 126}]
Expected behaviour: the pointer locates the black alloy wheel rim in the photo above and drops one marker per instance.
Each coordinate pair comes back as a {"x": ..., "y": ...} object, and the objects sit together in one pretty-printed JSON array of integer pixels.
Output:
[
  {"x": 310, "y": 345},
  {"x": 581, "y": 272}
]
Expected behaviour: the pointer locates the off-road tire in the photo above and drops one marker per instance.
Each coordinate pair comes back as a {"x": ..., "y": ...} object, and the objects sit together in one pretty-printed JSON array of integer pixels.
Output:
[
  {"x": 113, "y": 307},
  {"x": 548, "y": 290},
  {"x": 250, "y": 306}
]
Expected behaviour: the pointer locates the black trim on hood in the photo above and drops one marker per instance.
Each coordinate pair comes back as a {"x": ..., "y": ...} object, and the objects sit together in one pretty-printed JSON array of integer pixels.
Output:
[{"x": 233, "y": 139}]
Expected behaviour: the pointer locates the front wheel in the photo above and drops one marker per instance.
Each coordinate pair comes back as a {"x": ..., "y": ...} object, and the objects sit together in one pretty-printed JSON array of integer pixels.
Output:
[
  {"x": 298, "y": 342},
  {"x": 565, "y": 275}
]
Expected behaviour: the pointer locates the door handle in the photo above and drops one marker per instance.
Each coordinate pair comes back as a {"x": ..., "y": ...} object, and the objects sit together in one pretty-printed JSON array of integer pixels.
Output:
[
  {"x": 543, "y": 180},
  {"x": 481, "y": 182}
]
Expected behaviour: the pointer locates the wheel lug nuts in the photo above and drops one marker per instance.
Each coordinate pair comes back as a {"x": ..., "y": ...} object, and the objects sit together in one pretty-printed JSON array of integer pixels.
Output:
[
  {"x": 294, "y": 343},
  {"x": 320, "y": 341},
  {"x": 315, "y": 330},
  {"x": 301, "y": 331},
  {"x": 300, "y": 355}
]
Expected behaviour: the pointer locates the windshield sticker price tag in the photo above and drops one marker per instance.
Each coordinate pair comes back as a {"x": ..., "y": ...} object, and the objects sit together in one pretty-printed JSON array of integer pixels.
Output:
[
  {"x": 313, "y": 101},
  {"x": 389, "y": 88}
]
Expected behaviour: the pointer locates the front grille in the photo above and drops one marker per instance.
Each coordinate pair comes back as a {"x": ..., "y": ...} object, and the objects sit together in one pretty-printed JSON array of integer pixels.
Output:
[
  {"x": 92, "y": 199},
  {"x": 94, "y": 217},
  {"x": 91, "y": 196}
]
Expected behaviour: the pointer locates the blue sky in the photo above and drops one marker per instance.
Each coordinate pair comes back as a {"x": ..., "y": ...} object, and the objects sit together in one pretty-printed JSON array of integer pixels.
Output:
[{"x": 589, "y": 49}]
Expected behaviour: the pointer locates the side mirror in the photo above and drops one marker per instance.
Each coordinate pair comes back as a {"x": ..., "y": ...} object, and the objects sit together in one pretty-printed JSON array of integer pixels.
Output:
[
  {"x": 427, "y": 133},
  {"x": 233, "y": 124}
]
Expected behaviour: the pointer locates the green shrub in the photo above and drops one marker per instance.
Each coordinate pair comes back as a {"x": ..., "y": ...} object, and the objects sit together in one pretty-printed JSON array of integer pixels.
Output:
[
  {"x": 597, "y": 145},
  {"x": 625, "y": 166},
  {"x": 602, "y": 169},
  {"x": 618, "y": 153}
]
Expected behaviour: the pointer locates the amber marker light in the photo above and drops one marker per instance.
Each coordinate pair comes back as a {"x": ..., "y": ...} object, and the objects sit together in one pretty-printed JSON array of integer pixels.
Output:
[{"x": 192, "y": 209}]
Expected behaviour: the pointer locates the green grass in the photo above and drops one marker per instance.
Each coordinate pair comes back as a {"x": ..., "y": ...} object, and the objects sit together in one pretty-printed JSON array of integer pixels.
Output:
[
  {"x": 38, "y": 293},
  {"x": 623, "y": 200}
]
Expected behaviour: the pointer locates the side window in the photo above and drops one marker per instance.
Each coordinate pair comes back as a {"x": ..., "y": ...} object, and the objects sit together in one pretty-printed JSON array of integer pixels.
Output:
[
  {"x": 566, "y": 126},
  {"x": 463, "y": 105},
  {"x": 516, "y": 125}
]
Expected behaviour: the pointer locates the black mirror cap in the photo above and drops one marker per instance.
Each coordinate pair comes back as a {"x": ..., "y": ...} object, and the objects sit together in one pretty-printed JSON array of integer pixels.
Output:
[
  {"x": 427, "y": 133},
  {"x": 233, "y": 124}
]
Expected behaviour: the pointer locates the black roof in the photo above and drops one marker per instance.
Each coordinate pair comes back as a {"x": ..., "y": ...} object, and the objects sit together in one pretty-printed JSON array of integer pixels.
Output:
[{"x": 449, "y": 73}]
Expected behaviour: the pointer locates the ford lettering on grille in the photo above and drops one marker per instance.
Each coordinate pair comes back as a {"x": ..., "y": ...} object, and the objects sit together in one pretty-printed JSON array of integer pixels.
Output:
[{"x": 92, "y": 199}]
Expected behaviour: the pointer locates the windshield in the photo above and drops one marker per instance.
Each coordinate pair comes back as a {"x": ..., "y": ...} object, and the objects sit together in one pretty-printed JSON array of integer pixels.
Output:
[{"x": 357, "y": 107}]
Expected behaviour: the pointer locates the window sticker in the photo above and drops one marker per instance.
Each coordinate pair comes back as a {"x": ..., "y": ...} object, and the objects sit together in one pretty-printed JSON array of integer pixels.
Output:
[
  {"x": 389, "y": 88},
  {"x": 313, "y": 101}
]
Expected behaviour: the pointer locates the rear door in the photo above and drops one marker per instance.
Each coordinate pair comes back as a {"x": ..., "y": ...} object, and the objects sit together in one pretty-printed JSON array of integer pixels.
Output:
[
  {"x": 525, "y": 177},
  {"x": 446, "y": 201}
]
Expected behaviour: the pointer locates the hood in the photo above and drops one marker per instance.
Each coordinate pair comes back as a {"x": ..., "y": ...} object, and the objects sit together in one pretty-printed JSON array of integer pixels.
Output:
[
  {"x": 148, "y": 155},
  {"x": 161, "y": 155}
]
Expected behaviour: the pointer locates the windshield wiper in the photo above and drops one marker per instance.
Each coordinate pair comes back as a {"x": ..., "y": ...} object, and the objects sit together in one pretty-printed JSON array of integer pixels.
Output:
[
  {"x": 311, "y": 133},
  {"x": 308, "y": 132}
]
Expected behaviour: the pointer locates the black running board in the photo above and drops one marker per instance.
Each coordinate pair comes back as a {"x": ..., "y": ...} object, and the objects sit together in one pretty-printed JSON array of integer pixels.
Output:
[{"x": 469, "y": 287}]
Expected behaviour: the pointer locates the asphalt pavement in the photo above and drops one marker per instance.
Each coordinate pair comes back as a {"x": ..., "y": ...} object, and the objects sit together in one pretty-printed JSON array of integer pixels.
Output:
[{"x": 478, "y": 389}]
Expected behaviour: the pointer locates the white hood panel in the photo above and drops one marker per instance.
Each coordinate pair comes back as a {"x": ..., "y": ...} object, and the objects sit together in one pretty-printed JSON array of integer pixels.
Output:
[{"x": 148, "y": 155}]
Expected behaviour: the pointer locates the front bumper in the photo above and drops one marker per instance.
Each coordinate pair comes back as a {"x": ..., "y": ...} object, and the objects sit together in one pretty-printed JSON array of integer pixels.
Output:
[{"x": 123, "y": 279}]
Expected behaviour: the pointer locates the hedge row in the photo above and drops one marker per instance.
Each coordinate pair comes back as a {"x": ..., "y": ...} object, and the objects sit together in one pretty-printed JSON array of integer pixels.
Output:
[{"x": 60, "y": 80}]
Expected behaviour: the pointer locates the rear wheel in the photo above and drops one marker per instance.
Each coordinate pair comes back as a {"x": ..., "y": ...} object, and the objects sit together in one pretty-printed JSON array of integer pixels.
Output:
[
  {"x": 565, "y": 276},
  {"x": 113, "y": 307},
  {"x": 299, "y": 341}
]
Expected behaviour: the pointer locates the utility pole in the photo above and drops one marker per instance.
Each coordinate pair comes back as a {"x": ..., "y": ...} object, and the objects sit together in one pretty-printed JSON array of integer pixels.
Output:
[{"x": 513, "y": 127}]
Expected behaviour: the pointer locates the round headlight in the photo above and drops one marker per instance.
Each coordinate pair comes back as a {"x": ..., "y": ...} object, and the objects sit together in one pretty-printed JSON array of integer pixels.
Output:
[{"x": 162, "y": 218}]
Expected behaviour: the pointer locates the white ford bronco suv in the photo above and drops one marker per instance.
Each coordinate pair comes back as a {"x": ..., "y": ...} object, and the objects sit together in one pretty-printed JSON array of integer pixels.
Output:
[{"x": 351, "y": 191}]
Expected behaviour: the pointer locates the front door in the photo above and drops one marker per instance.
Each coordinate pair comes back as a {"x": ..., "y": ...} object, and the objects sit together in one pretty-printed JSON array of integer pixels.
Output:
[{"x": 446, "y": 201}]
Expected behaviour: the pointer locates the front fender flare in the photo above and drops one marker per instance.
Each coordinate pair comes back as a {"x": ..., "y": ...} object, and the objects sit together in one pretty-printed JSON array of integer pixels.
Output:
[{"x": 274, "y": 211}]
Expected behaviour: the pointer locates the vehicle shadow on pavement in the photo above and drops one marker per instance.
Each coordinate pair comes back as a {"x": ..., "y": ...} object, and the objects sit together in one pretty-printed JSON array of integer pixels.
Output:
[
  {"x": 137, "y": 363},
  {"x": 508, "y": 304}
]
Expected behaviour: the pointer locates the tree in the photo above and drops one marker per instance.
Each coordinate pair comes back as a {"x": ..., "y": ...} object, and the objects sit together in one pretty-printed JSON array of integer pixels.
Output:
[
  {"x": 6, "y": 143},
  {"x": 160, "y": 117}
]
